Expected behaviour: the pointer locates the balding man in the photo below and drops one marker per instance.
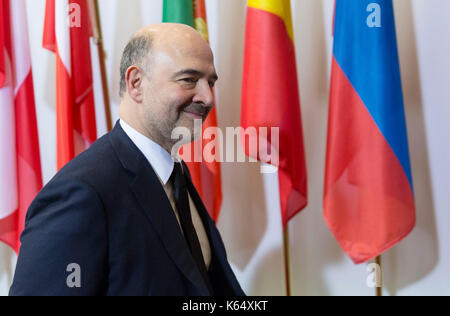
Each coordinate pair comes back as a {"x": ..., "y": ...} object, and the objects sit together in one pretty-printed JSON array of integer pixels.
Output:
[{"x": 124, "y": 218}]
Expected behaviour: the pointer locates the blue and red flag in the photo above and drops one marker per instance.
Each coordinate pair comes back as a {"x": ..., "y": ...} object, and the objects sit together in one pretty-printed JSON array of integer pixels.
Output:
[{"x": 368, "y": 196}]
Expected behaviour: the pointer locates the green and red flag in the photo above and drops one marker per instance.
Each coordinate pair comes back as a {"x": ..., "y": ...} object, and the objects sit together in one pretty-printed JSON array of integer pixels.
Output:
[
  {"x": 178, "y": 11},
  {"x": 206, "y": 176}
]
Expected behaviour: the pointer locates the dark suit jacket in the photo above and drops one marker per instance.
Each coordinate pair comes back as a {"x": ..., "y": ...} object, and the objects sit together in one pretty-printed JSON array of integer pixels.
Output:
[{"x": 107, "y": 212}]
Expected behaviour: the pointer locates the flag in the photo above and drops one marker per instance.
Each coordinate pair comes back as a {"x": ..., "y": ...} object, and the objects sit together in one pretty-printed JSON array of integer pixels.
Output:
[
  {"x": 206, "y": 176},
  {"x": 368, "y": 195},
  {"x": 178, "y": 11},
  {"x": 20, "y": 164},
  {"x": 2, "y": 47},
  {"x": 200, "y": 19},
  {"x": 67, "y": 31},
  {"x": 270, "y": 97}
]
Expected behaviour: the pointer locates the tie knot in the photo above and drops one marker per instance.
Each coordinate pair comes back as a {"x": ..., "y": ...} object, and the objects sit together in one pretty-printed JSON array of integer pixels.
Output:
[
  {"x": 177, "y": 169},
  {"x": 177, "y": 178}
]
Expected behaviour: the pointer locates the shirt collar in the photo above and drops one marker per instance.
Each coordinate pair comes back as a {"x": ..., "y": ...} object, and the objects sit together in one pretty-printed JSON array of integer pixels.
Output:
[{"x": 161, "y": 161}]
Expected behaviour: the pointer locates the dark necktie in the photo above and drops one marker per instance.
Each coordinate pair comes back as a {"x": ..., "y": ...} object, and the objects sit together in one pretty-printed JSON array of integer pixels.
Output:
[{"x": 178, "y": 180}]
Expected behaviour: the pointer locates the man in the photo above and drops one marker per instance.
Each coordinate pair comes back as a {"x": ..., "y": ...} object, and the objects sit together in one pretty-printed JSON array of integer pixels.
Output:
[{"x": 123, "y": 218}]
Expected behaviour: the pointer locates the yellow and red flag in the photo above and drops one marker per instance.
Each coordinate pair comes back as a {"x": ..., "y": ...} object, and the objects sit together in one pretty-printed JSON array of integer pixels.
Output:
[
  {"x": 270, "y": 97},
  {"x": 67, "y": 31}
]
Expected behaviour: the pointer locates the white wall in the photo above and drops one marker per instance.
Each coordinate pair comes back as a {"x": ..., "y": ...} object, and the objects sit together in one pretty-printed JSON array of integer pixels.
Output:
[{"x": 250, "y": 221}]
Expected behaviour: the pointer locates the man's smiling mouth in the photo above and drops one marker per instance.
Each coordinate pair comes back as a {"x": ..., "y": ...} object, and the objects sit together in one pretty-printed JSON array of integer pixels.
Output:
[{"x": 194, "y": 115}]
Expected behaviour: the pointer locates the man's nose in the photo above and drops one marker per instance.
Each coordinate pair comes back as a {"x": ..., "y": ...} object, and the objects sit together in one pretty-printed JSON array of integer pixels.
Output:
[{"x": 204, "y": 94}]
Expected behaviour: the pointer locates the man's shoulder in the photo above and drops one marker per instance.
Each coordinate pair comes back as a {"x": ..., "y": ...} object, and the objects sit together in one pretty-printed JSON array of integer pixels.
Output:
[{"x": 97, "y": 165}]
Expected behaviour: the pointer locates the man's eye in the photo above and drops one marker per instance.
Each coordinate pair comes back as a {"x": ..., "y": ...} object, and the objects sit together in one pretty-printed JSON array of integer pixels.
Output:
[{"x": 189, "y": 80}]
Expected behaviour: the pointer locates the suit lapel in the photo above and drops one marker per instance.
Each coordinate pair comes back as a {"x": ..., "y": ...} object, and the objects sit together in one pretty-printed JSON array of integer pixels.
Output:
[{"x": 154, "y": 202}]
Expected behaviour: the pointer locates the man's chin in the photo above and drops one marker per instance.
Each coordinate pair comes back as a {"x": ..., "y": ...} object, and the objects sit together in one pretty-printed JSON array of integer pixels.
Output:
[{"x": 193, "y": 125}]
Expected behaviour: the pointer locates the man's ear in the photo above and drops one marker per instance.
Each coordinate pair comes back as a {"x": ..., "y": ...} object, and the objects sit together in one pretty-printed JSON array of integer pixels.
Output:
[{"x": 134, "y": 78}]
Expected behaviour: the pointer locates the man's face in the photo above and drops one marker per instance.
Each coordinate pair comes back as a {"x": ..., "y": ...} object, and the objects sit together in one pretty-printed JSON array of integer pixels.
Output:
[{"x": 178, "y": 88}]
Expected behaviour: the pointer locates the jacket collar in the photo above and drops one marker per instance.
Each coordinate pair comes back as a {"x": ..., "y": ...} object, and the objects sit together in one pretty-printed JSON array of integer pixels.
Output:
[{"x": 160, "y": 160}]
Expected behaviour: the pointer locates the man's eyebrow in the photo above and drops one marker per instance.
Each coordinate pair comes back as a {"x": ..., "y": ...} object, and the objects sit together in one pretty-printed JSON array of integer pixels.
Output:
[{"x": 194, "y": 72}]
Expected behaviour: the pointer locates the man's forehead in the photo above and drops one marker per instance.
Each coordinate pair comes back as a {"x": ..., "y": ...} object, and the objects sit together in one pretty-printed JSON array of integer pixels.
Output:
[
  {"x": 184, "y": 49},
  {"x": 179, "y": 47},
  {"x": 177, "y": 58},
  {"x": 175, "y": 36}
]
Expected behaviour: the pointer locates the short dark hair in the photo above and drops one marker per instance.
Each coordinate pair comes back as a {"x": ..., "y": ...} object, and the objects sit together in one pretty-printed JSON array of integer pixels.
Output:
[{"x": 135, "y": 53}]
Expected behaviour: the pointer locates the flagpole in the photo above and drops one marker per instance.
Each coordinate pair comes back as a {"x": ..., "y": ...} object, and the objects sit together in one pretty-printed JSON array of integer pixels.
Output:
[
  {"x": 98, "y": 38},
  {"x": 287, "y": 261},
  {"x": 379, "y": 280}
]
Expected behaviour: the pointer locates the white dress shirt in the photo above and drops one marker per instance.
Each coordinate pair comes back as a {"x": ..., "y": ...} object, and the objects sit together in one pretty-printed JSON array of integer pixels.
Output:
[{"x": 163, "y": 164}]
